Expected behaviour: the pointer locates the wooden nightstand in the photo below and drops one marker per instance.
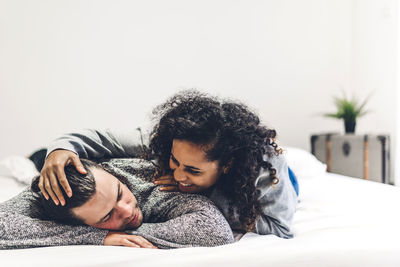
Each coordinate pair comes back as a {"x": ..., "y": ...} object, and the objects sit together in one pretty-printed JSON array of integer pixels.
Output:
[{"x": 362, "y": 156}]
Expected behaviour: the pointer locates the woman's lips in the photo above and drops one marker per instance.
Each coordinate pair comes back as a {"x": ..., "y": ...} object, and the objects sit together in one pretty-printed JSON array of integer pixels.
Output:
[{"x": 185, "y": 187}]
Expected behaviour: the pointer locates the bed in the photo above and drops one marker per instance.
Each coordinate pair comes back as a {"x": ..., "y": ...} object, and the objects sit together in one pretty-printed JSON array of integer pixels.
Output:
[{"x": 340, "y": 221}]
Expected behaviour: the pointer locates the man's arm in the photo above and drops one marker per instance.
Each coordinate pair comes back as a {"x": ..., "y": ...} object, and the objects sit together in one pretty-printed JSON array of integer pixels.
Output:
[
  {"x": 185, "y": 220},
  {"x": 19, "y": 230}
]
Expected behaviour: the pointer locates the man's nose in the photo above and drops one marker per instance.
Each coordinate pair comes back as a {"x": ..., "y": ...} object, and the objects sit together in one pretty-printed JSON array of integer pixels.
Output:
[{"x": 125, "y": 210}]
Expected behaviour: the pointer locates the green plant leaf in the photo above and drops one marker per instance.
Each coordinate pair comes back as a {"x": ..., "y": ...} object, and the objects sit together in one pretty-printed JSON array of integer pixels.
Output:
[{"x": 348, "y": 109}]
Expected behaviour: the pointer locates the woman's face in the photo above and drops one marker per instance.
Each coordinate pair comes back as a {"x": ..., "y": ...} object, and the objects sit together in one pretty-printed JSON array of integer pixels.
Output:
[
  {"x": 113, "y": 206},
  {"x": 190, "y": 167}
]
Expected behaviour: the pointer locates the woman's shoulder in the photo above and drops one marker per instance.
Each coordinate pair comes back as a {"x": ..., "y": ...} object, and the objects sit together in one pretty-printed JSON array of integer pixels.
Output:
[{"x": 277, "y": 161}]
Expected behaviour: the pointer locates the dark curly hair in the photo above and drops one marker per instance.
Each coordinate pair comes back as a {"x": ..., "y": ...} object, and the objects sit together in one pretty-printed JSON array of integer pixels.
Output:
[{"x": 228, "y": 132}]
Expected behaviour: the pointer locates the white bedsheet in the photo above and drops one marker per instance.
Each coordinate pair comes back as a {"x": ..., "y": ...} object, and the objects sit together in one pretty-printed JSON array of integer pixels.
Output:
[{"x": 340, "y": 221}]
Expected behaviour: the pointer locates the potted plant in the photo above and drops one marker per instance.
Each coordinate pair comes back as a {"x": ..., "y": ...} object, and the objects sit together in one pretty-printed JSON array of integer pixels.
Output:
[{"x": 348, "y": 110}]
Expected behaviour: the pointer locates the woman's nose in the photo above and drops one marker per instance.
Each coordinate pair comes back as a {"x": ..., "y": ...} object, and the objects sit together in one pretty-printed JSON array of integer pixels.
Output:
[{"x": 179, "y": 175}]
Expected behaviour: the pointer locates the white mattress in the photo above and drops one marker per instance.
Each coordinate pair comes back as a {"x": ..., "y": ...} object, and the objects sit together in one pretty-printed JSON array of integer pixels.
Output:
[{"x": 340, "y": 221}]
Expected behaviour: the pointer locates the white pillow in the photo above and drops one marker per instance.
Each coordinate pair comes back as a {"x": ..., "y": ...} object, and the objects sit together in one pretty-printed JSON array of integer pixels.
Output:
[
  {"x": 19, "y": 168},
  {"x": 303, "y": 163}
]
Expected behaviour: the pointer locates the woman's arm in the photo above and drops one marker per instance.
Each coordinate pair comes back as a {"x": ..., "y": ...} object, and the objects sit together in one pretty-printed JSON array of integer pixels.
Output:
[
  {"x": 19, "y": 230},
  {"x": 97, "y": 144},
  {"x": 91, "y": 144},
  {"x": 278, "y": 202}
]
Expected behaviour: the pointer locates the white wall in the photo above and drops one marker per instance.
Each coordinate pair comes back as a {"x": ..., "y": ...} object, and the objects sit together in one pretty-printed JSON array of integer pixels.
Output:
[
  {"x": 66, "y": 65},
  {"x": 397, "y": 147},
  {"x": 374, "y": 51}
]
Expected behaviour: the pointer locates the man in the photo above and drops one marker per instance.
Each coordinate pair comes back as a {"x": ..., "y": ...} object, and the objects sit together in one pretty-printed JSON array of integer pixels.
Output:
[{"x": 112, "y": 196}]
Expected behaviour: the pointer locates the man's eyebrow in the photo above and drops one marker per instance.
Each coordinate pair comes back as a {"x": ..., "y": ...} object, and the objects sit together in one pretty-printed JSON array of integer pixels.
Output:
[
  {"x": 186, "y": 166},
  {"x": 118, "y": 189}
]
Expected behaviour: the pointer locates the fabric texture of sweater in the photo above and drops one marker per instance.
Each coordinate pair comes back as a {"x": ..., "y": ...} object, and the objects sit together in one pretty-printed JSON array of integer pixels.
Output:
[
  {"x": 170, "y": 220},
  {"x": 278, "y": 202}
]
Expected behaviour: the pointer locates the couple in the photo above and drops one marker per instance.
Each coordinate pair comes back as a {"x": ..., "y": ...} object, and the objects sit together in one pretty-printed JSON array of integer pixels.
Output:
[{"x": 200, "y": 145}]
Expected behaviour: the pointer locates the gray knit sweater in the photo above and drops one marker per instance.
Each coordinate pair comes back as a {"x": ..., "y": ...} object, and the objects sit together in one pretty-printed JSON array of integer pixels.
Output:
[{"x": 170, "y": 220}]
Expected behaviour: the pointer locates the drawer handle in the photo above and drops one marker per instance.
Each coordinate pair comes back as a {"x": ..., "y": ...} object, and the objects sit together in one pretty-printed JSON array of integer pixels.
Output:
[{"x": 346, "y": 148}]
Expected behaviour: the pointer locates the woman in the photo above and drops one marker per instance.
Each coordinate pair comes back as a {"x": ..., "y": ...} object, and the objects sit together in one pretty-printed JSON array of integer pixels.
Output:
[{"x": 216, "y": 148}]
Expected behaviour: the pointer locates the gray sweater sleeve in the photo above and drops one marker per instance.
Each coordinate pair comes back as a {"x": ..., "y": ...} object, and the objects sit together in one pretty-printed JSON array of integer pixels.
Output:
[
  {"x": 97, "y": 144},
  {"x": 19, "y": 230},
  {"x": 188, "y": 220},
  {"x": 278, "y": 201}
]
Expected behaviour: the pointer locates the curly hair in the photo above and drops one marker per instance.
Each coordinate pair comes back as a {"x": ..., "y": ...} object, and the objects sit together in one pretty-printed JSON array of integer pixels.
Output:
[{"x": 229, "y": 133}]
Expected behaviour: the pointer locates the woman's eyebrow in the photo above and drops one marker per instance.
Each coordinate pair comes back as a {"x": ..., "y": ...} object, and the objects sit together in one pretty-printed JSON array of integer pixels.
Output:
[
  {"x": 186, "y": 166},
  {"x": 118, "y": 189}
]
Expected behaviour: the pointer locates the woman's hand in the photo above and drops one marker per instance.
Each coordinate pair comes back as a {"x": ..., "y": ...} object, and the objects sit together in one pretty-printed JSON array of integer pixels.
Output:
[
  {"x": 126, "y": 240},
  {"x": 168, "y": 182},
  {"x": 52, "y": 174}
]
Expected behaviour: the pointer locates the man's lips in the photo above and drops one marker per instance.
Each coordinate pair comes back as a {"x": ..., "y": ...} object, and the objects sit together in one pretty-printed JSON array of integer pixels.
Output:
[{"x": 134, "y": 217}]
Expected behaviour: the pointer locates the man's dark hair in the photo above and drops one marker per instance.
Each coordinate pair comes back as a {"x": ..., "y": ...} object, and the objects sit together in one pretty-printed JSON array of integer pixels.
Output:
[{"x": 83, "y": 187}]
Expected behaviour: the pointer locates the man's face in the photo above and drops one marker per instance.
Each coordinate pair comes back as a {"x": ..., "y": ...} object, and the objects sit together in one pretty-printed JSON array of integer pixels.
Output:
[{"x": 113, "y": 206}]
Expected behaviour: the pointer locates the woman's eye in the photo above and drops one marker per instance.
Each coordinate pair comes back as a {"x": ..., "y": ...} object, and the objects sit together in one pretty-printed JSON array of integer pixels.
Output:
[
  {"x": 174, "y": 160},
  {"x": 193, "y": 172}
]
